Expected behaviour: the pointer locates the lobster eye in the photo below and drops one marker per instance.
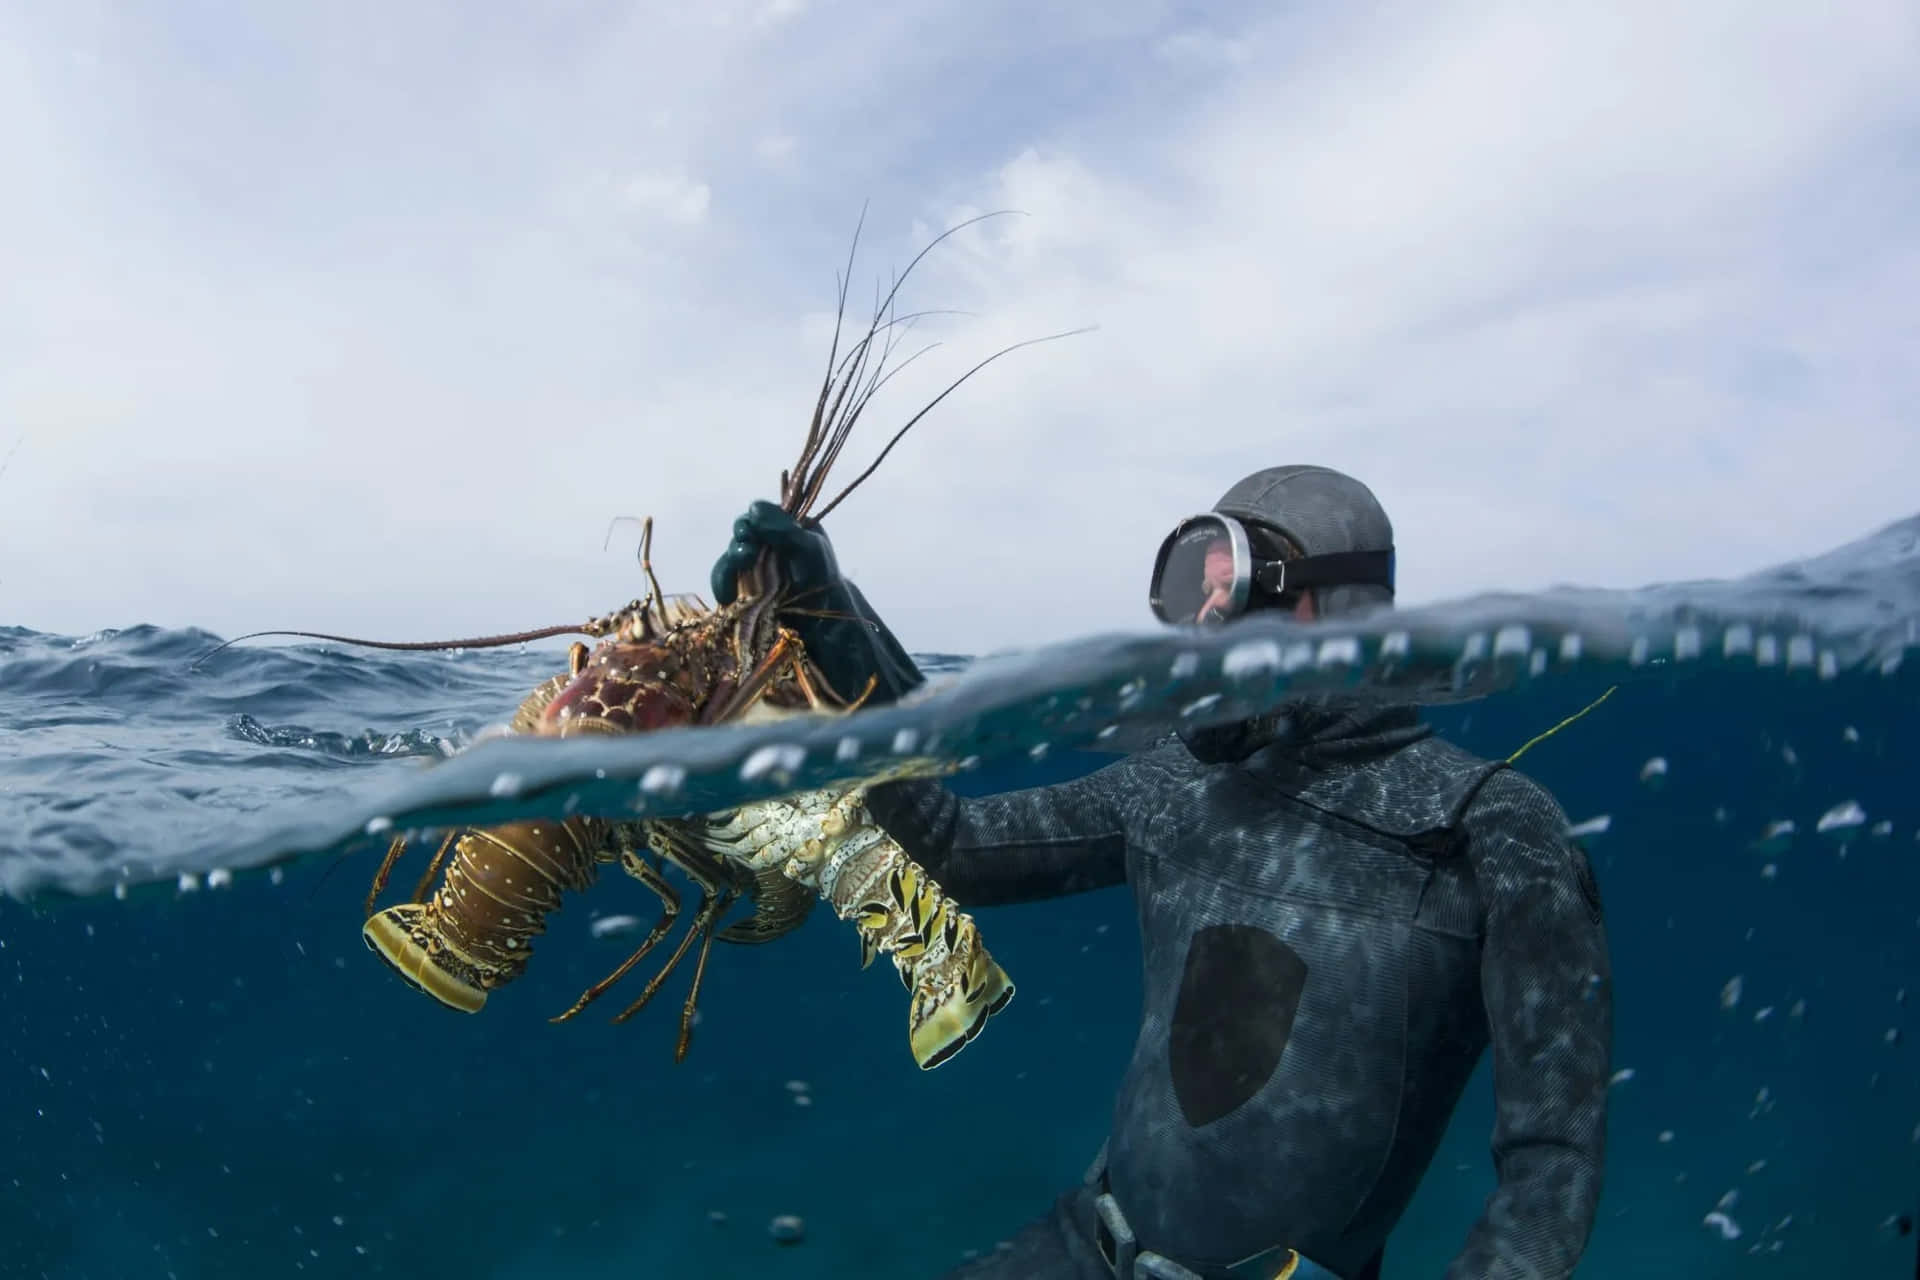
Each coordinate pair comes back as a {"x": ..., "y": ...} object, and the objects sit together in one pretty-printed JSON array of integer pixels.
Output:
[{"x": 576, "y": 658}]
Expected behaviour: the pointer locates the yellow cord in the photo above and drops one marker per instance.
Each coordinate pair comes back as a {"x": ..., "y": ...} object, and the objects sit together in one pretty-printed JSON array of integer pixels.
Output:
[{"x": 1538, "y": 739}]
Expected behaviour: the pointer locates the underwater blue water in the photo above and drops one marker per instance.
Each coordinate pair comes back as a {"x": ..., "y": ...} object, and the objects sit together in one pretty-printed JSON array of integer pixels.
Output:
[{"x": 208, "y": 1075}]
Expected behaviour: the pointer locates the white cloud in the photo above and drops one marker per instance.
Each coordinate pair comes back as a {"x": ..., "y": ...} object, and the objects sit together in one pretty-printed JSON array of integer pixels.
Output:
[
  {"x": 364, "y": 343},
  {"x": 1201, "y": 49},
  {"x": 775, "y": 148},
  {"x": 672, "y": 197},
  {"x": 777, "y": 11}
]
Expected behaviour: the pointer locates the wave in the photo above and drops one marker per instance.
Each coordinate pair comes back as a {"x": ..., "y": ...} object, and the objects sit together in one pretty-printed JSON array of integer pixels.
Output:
[{"x": 126, "y": 765}]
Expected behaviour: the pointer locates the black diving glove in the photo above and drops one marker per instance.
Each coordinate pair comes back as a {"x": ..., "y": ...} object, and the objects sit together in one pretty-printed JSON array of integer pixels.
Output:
[{"x": 849, "y": 644}]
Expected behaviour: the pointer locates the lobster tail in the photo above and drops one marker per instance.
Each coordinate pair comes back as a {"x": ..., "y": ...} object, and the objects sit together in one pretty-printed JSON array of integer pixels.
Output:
[
  {"x": 902, "y": 912},
  {"x": 829, "y": 842},
  {"x": 475, "y": 932}
]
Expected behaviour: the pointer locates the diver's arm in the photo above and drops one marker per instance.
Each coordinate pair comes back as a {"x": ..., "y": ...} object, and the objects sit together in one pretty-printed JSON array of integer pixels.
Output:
[
  {"x": 1547, "y": 984},
  {"x": 1018, "y": 846}
]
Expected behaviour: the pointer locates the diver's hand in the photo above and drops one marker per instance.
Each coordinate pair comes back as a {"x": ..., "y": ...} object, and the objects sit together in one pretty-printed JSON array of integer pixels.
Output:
[
  {"x": 804, "y": 554},
  {"x": 843, "y": 637}
]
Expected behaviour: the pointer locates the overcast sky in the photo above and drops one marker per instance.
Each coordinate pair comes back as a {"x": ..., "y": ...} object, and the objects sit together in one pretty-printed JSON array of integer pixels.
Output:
[{"x": 369, "y": 317}]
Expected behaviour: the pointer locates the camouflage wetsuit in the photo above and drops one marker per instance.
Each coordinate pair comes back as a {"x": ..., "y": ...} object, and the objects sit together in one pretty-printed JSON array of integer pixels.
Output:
[
  {"x": 1334, "y": 929},
  {"x": 1339, "y": 913}
]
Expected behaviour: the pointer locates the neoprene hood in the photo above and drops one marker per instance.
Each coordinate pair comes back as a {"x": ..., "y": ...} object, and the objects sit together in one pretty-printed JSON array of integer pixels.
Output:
[{"x": 1321, "y": 511}]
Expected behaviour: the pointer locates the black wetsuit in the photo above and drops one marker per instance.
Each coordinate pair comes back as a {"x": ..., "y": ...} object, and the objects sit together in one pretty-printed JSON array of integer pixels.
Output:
[{"x": 1334, "y": 929}]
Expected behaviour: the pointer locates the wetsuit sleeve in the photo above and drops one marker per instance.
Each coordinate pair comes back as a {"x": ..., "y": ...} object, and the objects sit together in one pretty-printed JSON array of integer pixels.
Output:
[
  {"x": 1547, "y": 984},
  {"x": 1019, "y": 846}
]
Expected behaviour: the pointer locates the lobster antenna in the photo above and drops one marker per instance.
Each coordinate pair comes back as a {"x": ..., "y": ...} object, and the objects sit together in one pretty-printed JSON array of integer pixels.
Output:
[
  {"x": 476, "y": 642},
  {"x": 951, "y": 388},
  {"x": 846, "y": 380},
  {"x": 829, "y": 432},
  {"x": 841, "y": 282},
  {"x": 862, "y": 393},
  {"x": 658, "y": 601}
]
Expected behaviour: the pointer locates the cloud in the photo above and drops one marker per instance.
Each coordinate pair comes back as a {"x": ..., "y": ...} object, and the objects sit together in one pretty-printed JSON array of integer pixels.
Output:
[
  {"x": 1201, "y": 49},
  {"x": 775, "y": 148},
  {"x": 308, "y": 330},
  {"x": 777, "y": 11},
  {"x": 671, "y": 197}
]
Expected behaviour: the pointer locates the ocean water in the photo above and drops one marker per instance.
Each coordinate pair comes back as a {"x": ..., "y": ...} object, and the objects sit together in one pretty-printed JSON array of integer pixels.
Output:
[{"x": 208, "y": 1075}]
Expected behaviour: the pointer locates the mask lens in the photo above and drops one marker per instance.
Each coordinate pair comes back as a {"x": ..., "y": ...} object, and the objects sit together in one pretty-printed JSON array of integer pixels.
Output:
[{"x": 1193, "y": 579}]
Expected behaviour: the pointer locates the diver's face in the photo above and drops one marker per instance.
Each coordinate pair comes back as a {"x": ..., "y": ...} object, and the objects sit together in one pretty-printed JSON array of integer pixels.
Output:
[{"x": 1217, "y": 582}]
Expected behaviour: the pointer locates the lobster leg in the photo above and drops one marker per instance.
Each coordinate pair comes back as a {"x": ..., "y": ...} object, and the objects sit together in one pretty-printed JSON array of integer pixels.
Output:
[
  {"x": 754, "y": 686},
  {"x": 717, "y": 892},
  {"x": 713, "y": 909},
  {"x": 812, "y": 695},
  {"x": 703, "y": 917},
  {"x": 638, "y": 868},
  {"x": 873, "y": 682},
  {"x": 395, "y": 848},
  {"x": 421, "y": 889}
]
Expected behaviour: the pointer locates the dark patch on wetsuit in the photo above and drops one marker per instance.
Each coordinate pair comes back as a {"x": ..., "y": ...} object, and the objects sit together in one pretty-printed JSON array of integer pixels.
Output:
[
  {"x": 1231, "y": 1022},
  {"x": 1589, "y": 887}
]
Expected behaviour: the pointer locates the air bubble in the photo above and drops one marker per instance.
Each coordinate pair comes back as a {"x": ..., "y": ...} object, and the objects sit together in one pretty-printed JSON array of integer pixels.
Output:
[
  {"x": 1727, "y": 1227},
  {"x": 662, "y": 779},
  {"x": 1842, "y": 819},
  {"x": 1340, "y": 651},
  {"x": 1250, "y": 659},
  {"x": 777, "y": 760}
]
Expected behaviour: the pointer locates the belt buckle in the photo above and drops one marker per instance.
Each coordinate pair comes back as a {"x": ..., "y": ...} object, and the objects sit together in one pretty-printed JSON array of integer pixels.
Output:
[
  {"x": 1289, "y": 1264},
  {"x": 1118, "y": 1248}
]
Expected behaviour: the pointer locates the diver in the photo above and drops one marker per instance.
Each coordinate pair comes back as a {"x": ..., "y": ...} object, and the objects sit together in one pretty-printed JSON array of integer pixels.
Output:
[{"x": 1340, "y": 913}]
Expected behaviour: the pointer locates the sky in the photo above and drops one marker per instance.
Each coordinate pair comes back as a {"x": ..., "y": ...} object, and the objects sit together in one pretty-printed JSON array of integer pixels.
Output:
[{"x": 371, "y": 318}]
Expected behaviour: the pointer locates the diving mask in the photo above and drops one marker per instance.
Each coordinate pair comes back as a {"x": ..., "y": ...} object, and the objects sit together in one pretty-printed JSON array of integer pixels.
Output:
[{"x": 1213, "y": 568}]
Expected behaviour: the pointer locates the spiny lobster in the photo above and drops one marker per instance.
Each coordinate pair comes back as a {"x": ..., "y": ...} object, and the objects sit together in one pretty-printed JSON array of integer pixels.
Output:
[{"x": 675, "y": 661}]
